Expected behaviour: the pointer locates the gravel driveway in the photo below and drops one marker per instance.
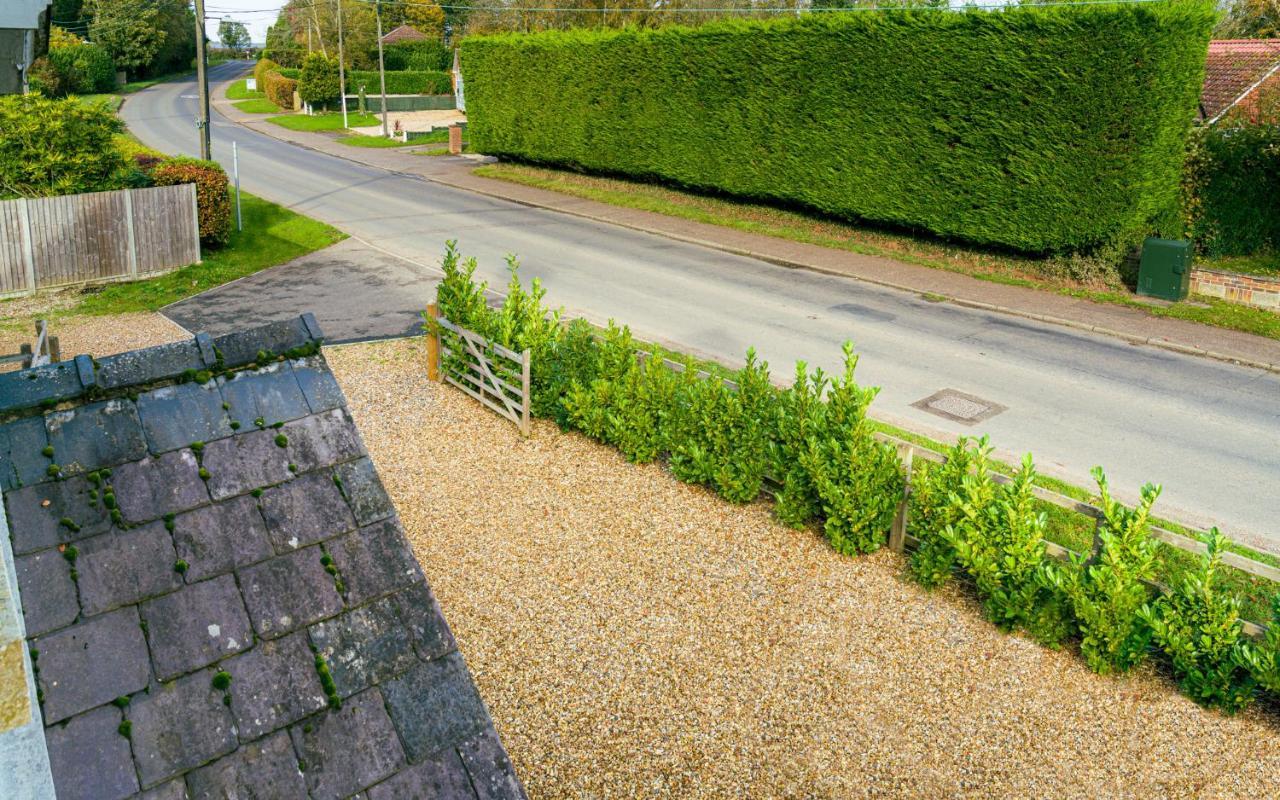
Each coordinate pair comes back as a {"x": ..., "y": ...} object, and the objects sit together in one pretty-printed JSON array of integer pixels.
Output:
[{"x": 634, "y": 636}]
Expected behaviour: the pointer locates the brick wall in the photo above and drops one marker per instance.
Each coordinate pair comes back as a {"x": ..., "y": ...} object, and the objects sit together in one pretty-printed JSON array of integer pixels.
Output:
[{"x": 1250, "y": 290}]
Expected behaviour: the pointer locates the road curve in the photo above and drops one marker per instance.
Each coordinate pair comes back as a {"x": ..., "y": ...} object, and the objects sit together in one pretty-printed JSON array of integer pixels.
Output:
[{"x": 1206, "y": 430}]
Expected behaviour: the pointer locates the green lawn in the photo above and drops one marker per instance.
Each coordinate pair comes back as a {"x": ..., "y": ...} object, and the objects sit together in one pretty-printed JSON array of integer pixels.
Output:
[
  {"x": 272, "y": 235},
  {"x": 360, "y": 140},
  {"x": 798, "y": 226},
  {"x": 259, "y": 105},
  {"x": 323, "y": 122},
  {"x": 111, "y": 101},
  {"x": 238, "y": 91},
  {"x": 1268, "y": 265}
]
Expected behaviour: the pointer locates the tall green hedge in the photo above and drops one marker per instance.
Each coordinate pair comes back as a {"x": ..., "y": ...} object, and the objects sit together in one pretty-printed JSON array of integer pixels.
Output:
[
  {"x": 402, "y": 82},
  {"x": 1041, "y": 129},
  {"x": 1233, "y": 189}
]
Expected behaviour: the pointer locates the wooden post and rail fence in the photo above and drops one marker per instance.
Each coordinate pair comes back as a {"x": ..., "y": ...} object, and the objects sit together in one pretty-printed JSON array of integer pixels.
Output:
[
  {"x": 99, "y": 237},
  {"x": 483, "y": 385}
]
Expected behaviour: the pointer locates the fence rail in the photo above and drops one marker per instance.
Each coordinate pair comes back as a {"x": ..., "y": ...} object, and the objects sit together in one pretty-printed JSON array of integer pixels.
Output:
[
  {"x": 98, "y": 237},
  {"x": 480, "y": 367}
]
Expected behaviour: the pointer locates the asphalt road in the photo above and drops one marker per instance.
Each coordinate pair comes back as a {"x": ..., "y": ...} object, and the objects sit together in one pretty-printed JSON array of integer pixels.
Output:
[{"x": 1208, "y": 431}]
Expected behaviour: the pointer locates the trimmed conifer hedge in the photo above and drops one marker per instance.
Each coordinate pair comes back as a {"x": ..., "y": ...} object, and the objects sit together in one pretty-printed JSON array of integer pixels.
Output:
[{"x": 1045, "y": 129}]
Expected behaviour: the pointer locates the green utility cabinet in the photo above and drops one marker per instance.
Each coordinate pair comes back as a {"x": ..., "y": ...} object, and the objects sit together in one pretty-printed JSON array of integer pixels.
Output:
[{"x": 1165, "y": 269}]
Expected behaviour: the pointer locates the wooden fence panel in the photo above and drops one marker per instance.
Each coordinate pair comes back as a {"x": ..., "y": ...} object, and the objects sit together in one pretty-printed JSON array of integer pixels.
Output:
[{"x": 98, "y": 237}]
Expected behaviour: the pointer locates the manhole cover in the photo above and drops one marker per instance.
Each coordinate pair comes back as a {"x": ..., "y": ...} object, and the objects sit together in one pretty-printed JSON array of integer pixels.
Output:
[{"x": 959, "y": 406}]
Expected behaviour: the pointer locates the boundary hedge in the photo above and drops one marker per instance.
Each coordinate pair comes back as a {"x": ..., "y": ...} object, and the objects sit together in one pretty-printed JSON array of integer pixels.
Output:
[
  {"x": 1232, "y": 191},
  {"x": 1048, "y": 129},
  {"x": 403, "y": 82}
]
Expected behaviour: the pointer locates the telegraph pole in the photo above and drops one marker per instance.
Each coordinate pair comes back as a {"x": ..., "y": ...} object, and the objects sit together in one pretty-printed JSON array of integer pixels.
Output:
[
  {"x": 202, "y": 79},
  {"x": 342, "y": 72},
  {"x": 382, "y": 70}
]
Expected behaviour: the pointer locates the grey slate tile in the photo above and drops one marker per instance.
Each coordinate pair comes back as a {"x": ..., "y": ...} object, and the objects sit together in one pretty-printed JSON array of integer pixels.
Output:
[
  {"x": 151, "y": 364},
  {"x": 363, "y": 490},
  {"x": 177, "y": 415},
  {"x": 196, "y": 626},
  {"x": 36, "y": 525},
  {"x": 29, "y": 387},
  {"x": 288, "y": 592},
  {"x": 491, "y": 772},
  {"x": 434, "y": 706},
  {"x": 91, "y": 663},
  {"x": 305, "y": 511},
  {"x": 89, "y": 758},
  {"x": 440, "y": 777},
  {"x": 48, "y": 593},
  {"x": 175, "y": 789},
  {"x": 262, "y": 770},
  {"x": 157, "y": 485},
  {"x": 364, "y": 647},
  {"x": 322, "y": 440},
  {"x": 220, "y": 537},
  {"x": 273, "y": 685},
  {"x": 22, "y": 458},
  {"x": 95, "y": 435},
  {"x": 179, "y": 725},
  {"x": 245, "y": 461},
  {"x": 242, "y": 347},
  {"x": 318, "y": 384},
  {"x": 348, "y": 750},
  {"x": 421, "y": 616},
  {"x": 270, "y": 393},
  {"x": 123, "y": 567},
  {"x": 374, "y": 560}
]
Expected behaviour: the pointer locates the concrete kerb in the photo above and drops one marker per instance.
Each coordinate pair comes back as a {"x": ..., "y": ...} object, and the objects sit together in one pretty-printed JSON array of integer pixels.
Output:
[{"x": 1048, "y": 319}]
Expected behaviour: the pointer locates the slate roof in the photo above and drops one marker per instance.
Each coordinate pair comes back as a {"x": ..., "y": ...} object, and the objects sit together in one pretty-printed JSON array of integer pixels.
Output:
[
  {"x": 404, "y": 33},
  {"x": 1232, "y": 68},
  {"x": 236, "y": 526}
]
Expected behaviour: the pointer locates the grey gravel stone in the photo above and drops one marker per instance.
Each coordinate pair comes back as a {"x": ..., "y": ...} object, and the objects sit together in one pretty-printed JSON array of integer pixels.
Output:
[
  {"x": 123, "y": 567},
  {"x": 36, "y": 514},
  {"x": 441, "y": 776},
  {"x": 318, "y": 384},
  {"x": 288, "y": 592},
  {"x": 273, "y": 685},
  {"x": 91, "y": 663},
  {"x": 96, "y": 435},
  {"x": 421, "y": 616},
  {"x": 374, "y": 560},
  {"x": 89, "y": 758},
  {"x": 323, "y": 440},
  {"x": 196, "y": 625},
  {"x": 48, "y": 594},
  {"x": 363, "y": 490},
  {"x": 263, "y": 770},
  {"x": 364, "y": 647},
  {"x": 22, "y": 459},
  {"x": 158, "y": 485},
  {"x": 491, "y": 772},
  {"x": 179, "y": 725},
  {"x": 221, "y": 537},
  {"x": 435, "y": 705},
  {"x": 175, "y": 416},
  {"x": 348, "y": 750},
  {"x": 305, "y": 511},
  {"x": 271, "y": 393},
  {"x": 245, "y": 461}
]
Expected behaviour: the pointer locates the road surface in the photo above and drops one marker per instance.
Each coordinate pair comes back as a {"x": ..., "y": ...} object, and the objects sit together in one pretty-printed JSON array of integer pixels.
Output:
[{"x": 1206, "y": 430}]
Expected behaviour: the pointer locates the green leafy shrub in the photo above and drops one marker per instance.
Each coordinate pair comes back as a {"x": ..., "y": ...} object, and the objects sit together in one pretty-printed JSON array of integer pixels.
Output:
[
  {"x": 573, "y": 359},
  {"x": 1231, "y": 189},
  {"x": 1262, "y": 660},
  {"x": 54, "y": 147},
  {"x": 81, "y": 68},
  {"x": 279, "y": 89},
  {"x": 1042, "y": 129},
  {"x": 318, "y": 83},
  {"x": 406, "y": 82},
  {"x": 261, "y": 70},
  {"x": 213, "y": 202},
  {"x": 931, "y": 509},
  {"x": 1199, "y": 629},
  {"x": 422, "y": 55},
  {"x": 858, "y": 479},
  {"x": 799, "y": 414},
  {"x": 1107, "y": 596},
  {"x": 588, "y": 397}
]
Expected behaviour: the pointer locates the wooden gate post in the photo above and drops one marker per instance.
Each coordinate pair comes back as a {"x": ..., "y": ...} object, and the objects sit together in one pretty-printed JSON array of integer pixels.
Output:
[
  {"x": 898, "y": 531},
  {"x": 524, "y": 391},
  {"x": 433, "y": 342}
]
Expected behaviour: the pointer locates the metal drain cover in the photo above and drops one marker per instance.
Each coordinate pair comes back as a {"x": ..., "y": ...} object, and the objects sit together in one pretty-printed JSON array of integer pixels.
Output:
[{"x": 959, "y": 407}]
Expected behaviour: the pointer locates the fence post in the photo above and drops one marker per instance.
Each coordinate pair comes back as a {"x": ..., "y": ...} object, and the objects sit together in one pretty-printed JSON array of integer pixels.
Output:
[
  {"x": 28, "y": 247},
  {"x": 898, "y": 531},
  {"x": 133, "y": 241},
  {"x": 524, "y": 392},
  {"x": 195, "y": 218},
  {"x": 433, "y": 343}
]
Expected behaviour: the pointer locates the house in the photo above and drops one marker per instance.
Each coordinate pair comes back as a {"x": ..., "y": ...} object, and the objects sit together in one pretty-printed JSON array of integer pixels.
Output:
[
  {"x": 1242, "y": 77},
  {"x": 404, "y": 33},
  {"x": 24, "y": 36}
]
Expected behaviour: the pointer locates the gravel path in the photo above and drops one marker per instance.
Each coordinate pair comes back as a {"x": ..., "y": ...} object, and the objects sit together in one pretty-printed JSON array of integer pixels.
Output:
[
  {"x": 634, "y": 636},
  {"x": 96, "y": 336}
]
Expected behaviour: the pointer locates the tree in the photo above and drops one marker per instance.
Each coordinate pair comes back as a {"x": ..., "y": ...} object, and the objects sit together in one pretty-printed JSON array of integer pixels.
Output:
[
  {"x": 234, "y": 35},
  {"x": 425, "y": 16},
  {"x": 1251, "y": 19},
  {"x": 178, "y": 22},
  {"x": 130, "y": 30},
  {"x": 318, "y": 83}
]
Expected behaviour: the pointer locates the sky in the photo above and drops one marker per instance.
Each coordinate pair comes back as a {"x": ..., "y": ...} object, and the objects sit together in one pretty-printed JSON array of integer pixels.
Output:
[{"x": 257, "y": 15}]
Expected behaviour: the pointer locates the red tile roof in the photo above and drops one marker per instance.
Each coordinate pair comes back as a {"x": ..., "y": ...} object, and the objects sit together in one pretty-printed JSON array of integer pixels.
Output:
[
  {"x": 1234, "y": 66},
  {"x": 404, "y": 33}
]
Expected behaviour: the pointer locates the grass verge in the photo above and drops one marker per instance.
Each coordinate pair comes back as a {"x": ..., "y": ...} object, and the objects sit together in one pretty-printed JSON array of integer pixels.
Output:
[
  {"x": 259, "y": 105},
  {"x": 238, "y": 90},
  {"x": 360, "y": 140},
  {"x": 323, "y": 122},
  {"x": 797, "y": 226}
]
